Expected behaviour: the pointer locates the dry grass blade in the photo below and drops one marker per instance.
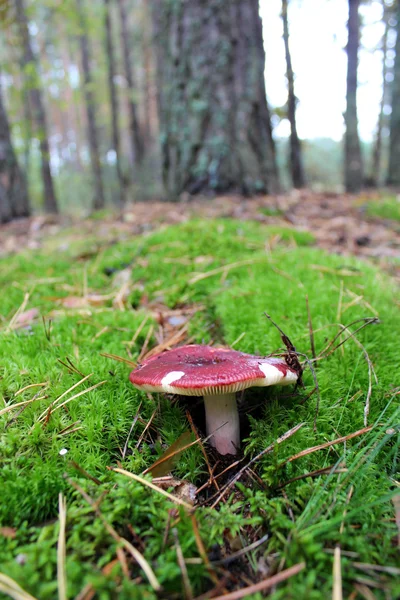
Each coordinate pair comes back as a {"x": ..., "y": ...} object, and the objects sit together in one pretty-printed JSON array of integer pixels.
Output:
[
  {"x": 364, "y": 591},
  {"x": 17, "y": 313},
  {"x": 119, "y": 359},
  {"x": 270, "y": 448},
  {"x": 10, "y": 588},
  {"x": 379, "y": 568},
  {"x": 152, "y": 486},
  {"x": 181, "y": 562},
  {"x": 337, "y": 591},
  {"x": 142, "y": 562},
  {"x": 225, "y": 268},
  {"x": 45, "y": 412},
  {"x": 307, "y": 451},
  {"x": 61, "y": 550},
  {"x": 194, "y": 429},
  {"x": 24, "y": 403},
  {"x": 91, "y": 388},
  {"x": 135, "y": 419},
  {"x": 149, "y": 422},
  {"x": 138, "y": 332},
  {"x": 202, "y": 550},
  {"x": 266, "y": 584},
  {"x": 31, "y": 385},
  {"x": 175, "y": 339}
]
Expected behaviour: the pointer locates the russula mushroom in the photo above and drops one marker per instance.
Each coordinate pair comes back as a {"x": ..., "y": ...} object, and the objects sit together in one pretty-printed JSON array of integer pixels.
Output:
[{"x": 216, "y": 374}]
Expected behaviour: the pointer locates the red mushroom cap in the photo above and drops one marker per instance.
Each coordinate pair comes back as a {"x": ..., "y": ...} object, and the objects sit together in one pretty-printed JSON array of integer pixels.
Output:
[{"x": 197, "y": 370}]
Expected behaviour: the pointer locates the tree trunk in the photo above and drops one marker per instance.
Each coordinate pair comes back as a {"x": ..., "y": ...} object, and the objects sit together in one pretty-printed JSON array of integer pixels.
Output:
[
  {"x": 393, "y": 177},
  {"x": 353, "y": 158},
  {"x": 116, "y": 140},
  {"x": 136, "y": 141},
  {"x": 14, "y": 199},
  {"x": 99, "y": 201},
  {"x": 296, "y": 157},
  {"x": 215, "y": 128},
  {"x": 31, "y": 76},
  {"x": 374, "y": 178}
]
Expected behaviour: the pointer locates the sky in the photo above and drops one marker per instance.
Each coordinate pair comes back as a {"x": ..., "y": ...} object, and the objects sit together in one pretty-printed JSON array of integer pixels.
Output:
[{"x": 318, "y": 36}]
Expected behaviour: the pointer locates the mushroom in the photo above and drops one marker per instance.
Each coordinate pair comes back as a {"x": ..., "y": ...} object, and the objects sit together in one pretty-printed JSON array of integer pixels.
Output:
[{"x": 216, "y": 374}]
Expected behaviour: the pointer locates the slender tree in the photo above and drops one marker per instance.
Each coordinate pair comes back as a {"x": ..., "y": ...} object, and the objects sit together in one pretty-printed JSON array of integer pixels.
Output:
[
  {"x": 116, "y": 138},
  {"x": 136, "y": 141},
  {"x": 353, "y": 160},
  {"x": 14, "y": 199},
  {"x": 374, "y": 177},
  {"x": 296, "y": 156},
  {"x": 32, "y": 84},
  {"x": 393, "y": 177},
  {"x": 214, "y": 118},
  {"x": 99, "y": 200}
]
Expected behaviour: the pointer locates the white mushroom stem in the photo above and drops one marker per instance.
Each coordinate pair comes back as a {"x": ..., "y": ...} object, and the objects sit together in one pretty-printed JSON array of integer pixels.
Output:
[{"x": 222, "y": 420}]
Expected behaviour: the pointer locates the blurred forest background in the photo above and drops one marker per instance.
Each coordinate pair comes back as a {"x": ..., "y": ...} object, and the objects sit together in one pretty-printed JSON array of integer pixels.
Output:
[{"x": 104, "y": 102}]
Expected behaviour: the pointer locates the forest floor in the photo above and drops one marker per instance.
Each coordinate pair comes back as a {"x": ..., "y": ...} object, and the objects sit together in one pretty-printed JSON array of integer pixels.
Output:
[{"x": 316, "y": 513}]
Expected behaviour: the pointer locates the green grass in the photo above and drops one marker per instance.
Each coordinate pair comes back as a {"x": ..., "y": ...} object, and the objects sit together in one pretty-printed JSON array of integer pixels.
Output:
[
  {"x": 352, "y": 508},
  {"x": 385, "y": 208}
]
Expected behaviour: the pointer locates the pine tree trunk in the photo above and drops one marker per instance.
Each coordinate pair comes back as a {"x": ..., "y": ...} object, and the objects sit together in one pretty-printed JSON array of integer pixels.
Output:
[
  {"x": 296, "y": 158},
  {"x": 116, "y": 140},
  {"x": 353, "y": 159},
  {"x": 136, "y": 141},
  {"x": 393, "y": 177},
  {"x": 31, "y": 75},
  {"x": 215, "y": 125},
  {"x": 99, "y": 201},
  {"x": 375, "y": 175},
  {"x": 14, "y": 199}
]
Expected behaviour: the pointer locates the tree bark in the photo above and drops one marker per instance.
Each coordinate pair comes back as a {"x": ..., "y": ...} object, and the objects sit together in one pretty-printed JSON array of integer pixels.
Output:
[
  {"x": 375, "y": 174},
  {"x": 116, "y": 140},
  {"x": 393, "y": 177},
  {"x": 14, "y": 199},
  {"x": 99, "y": 201},
  {"x": 215, "y": 125},
  {"x": 296, "y": 157},
  {"x": 136, "y": 141},
  {"x": 353, "y": 160},
  {"x": 32, "y": 83}
]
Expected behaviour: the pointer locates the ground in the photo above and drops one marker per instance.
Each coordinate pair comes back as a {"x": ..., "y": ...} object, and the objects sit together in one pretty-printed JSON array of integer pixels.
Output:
[{"x": 81, "y": 303}]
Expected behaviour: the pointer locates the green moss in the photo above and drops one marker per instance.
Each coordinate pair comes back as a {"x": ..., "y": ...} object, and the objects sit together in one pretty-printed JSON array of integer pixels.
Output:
[
  {"x": 384, "y": 208},
  {"x": 246, "y": 279}
]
